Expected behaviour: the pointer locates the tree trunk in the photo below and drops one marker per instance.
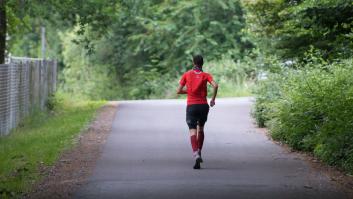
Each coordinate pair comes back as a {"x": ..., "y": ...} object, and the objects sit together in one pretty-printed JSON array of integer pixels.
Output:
[{"x": 2, "y": 30}]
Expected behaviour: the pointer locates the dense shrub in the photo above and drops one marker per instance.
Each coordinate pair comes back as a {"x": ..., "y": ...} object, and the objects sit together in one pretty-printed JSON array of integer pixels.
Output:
[
  {"x": 266, "y": 92},
  {"x": 311, "y": 109}
]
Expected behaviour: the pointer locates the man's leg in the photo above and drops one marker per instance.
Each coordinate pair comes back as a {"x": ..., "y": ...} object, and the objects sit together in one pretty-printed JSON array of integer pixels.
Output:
[
  {"x": 193, "y": 139},
  {"x": 200, "y": 136},
  {"x": 191, "y": 120},
  {"x": 200, "y": 127},
  {"x": 195, "y": 147}
]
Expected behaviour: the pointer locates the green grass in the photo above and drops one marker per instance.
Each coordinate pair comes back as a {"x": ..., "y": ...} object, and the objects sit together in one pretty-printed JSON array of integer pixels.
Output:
[{"x": 40, "y": 141}]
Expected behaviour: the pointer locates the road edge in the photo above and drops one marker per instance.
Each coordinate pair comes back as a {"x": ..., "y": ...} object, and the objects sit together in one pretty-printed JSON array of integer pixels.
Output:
[{"x": 341, "y": 179}]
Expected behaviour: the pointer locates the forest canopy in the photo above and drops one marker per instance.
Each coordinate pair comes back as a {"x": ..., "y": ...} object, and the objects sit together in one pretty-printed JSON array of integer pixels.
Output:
[{"x": 124, "y": 49}]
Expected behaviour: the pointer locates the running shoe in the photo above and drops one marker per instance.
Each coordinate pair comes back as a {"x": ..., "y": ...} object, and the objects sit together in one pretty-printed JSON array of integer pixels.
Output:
[{"x": 197, "y": 162}]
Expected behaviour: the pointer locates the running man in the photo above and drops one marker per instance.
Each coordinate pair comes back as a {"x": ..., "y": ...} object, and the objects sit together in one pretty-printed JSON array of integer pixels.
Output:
[{"x": 197, "y": 108}]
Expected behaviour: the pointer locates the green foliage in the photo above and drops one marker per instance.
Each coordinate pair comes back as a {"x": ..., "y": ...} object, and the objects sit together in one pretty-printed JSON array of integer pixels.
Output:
[
  {"x": 40, "y": 141},
  {"x": 81, "y": 76},
  {"x": 311, "y": 109},
  {"x": 165, "y": 35},
  {"x": 26, "y": 17},
  {"x": 266, "y": 92},
  {"x": 54, "y": 101},
  {"x": 125, "y": 49},
  {"x": 234, "y": 78},
  {"x": 271, "y": 75},
  {"x": 290, "y": 28},
  {"x": 149, "y": 45},
  {"x": 306, "y": 100}
]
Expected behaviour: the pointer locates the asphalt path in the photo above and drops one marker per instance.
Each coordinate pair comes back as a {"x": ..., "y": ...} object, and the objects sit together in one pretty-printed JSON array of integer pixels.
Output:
[{"x": 148, "y": 156}]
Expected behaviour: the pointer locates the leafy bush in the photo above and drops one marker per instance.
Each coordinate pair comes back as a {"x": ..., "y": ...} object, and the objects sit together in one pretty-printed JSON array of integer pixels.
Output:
[
  {"x": 266, "y": 92},
  {"x": 311, "y": 109}
]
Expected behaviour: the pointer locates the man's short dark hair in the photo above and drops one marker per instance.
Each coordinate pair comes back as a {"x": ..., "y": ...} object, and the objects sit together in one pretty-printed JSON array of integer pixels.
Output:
[{"x": 198, "y": 60}]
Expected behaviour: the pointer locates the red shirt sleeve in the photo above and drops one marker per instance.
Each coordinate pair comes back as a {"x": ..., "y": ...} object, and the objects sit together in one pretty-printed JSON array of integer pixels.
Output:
[
  {"x": 182, "y": 81},
  {"x": 209, "y": 78}
]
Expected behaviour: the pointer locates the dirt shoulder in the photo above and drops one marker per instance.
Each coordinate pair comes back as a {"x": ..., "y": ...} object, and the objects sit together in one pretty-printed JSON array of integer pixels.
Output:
[{"x": 76, "y": 165}]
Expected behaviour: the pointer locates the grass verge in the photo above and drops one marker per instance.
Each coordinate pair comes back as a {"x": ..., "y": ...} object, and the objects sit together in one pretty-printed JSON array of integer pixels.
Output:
[{"x": 38, "y": 143}]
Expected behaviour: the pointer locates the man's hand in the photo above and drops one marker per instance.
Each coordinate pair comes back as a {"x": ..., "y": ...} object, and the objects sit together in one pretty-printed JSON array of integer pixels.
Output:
[
  {"x": 215, "y": 89},
  {"x": 212, "y": 102},
  {"x": 181, "y": 90}
]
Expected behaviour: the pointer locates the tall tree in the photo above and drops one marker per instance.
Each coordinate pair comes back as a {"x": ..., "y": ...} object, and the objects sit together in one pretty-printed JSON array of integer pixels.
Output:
[
  {"x": 2, "y": 30},
  {"x": 25, "y": 17},
  {"x": 291, "y": 28}
]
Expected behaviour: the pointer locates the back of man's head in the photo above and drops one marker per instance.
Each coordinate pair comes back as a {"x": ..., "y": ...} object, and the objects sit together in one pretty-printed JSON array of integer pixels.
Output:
[{"x": 198, "y": 60}]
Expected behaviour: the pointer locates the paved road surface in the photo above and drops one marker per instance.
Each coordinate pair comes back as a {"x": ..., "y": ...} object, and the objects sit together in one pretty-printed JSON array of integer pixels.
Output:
[{"x": 148, "y": 156}]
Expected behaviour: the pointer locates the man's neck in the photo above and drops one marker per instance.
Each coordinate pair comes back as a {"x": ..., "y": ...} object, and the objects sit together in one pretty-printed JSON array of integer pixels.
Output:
[{"x": 197, "y": 68}]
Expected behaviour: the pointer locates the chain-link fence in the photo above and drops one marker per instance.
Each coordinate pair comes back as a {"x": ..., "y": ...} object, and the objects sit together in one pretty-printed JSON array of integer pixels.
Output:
[{"x": 25, "y": 85}]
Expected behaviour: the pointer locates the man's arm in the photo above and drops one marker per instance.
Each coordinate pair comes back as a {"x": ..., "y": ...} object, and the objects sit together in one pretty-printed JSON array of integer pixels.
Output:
[
  {"x": 181, "y": 90},
  {"x": 214, "y": 95}
]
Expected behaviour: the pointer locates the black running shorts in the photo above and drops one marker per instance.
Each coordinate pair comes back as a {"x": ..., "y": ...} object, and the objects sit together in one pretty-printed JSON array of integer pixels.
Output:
[{"x": 196, "y": 114}]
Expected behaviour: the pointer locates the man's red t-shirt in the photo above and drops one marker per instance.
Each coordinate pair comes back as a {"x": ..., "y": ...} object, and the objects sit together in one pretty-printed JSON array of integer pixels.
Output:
[{"x": 196, "y": 86}]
